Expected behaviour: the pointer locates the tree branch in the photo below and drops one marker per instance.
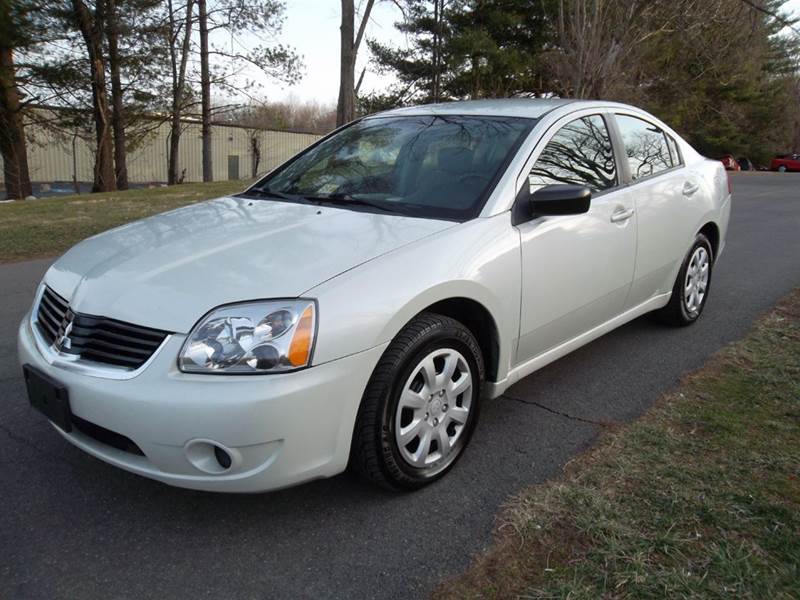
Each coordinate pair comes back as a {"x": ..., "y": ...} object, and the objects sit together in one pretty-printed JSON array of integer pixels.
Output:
[
  {"x": 362, "y": 27},
  {"x": 780, "y": 19}
]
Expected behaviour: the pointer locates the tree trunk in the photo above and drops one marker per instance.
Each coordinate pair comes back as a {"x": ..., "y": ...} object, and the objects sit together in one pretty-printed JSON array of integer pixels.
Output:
[
  {"x": 174, "y": 146},
  {"x": 12, "y": 131},
  {"x": 205, "y": 90},
  {"x": 437, "y": 32},
  {"x": 118, "y": 108},
  {"x": 350, "y": 41},
  {"x": 92, "y": 31},
  {"x": 178, "y": 65},
  {"x": 345, "y": 108},
  {"x": 796, "y": 140},
  {"x": 255, "y": 153}
]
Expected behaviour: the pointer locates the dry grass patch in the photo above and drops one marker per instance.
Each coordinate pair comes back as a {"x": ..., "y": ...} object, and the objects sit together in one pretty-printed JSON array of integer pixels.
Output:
[{"x": 698, "y": 499}]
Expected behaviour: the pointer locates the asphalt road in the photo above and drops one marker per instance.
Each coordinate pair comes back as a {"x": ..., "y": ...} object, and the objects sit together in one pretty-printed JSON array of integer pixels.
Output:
[{"x": 73, "y": 527}]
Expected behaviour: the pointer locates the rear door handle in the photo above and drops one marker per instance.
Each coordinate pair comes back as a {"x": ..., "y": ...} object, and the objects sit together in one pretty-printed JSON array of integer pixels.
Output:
[
  {"x": 690, "y": 188},
  {"x": 621, "y": 215}
]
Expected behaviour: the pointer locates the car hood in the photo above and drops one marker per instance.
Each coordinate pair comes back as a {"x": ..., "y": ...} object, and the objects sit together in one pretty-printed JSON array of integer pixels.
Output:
[{"x": 168, "y": 270}]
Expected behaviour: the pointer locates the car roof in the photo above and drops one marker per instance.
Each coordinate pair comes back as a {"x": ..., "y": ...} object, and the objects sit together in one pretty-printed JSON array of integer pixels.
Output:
[{"x": 532, "y": 108}]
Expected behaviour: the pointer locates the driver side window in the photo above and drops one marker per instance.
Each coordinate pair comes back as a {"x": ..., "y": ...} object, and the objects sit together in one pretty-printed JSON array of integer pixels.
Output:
[{"x": 580, "y": 154}]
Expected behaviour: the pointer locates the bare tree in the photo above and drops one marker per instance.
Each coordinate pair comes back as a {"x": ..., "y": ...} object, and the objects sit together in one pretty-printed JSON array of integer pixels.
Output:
[
  {"x": 180, "y": 35},
  {"x": 117, "y": 104},
  {"x": 260, "y": 19},
  {"x": 254, "y": 136},
  {"x": 91, "y": 27},
  {"x": 205, "y": 91},
  {"x": 288, "y": 115},
  {"x": 350, "y": 42},
  {"x": 796, "y": 137},
  {"x": 436, "y": 50},
  {"x": 597, "y": 39}
]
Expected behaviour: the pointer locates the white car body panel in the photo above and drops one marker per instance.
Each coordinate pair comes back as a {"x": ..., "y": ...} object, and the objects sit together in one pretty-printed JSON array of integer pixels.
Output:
[
  {"x": 280, "y": 430},
  {"x": 486, "y": 270},
  {"x": 249, "y": 248},
  {"x": 548, "y": 286},
  {"x": 585, "y": 279}
]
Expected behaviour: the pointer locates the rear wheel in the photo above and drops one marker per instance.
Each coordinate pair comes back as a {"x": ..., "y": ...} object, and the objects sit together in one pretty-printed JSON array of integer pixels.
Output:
[
  {"x": 690, "y": 291},
  {"x": 420, "y": 406}
]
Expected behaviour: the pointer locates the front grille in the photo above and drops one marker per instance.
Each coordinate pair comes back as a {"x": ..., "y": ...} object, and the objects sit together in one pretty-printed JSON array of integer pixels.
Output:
[
  {"x": 97, "y": 339},
  {"x": 52, "y": 309}
]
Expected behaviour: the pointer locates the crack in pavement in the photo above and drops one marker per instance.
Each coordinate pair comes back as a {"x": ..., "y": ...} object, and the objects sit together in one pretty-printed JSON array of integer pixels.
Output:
[{"x": 559, "y": 413}]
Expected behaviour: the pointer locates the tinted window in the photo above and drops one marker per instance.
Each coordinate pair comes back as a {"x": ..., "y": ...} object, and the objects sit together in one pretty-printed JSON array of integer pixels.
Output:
[
  {"x": 581, "y": 154},
  {"x": 440, "y": 167},
  {"x": 645, "y": 145}
]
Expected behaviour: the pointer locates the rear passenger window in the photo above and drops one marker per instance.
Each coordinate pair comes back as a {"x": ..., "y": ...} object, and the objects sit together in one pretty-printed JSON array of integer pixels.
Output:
[
  {"x": 645, "y": 145},
  {"x": 579, "y": 154}
]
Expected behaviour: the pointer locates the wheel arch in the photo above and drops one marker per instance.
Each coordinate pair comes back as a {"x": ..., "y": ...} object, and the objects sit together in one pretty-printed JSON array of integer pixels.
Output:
[
  {"x": 477, "y": 318},
  {"x": 711, "y": 231},
  {"x": 477, "y": 308}
]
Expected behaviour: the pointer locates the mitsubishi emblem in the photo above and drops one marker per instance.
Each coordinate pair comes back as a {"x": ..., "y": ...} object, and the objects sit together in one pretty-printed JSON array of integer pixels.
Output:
[{"x": 62, "y": 341}]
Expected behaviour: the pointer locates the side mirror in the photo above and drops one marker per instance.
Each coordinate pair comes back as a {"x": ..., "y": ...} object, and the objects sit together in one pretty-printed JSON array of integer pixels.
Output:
[
  {"x": 560, "y": 200},
  {"x": 550, "y": 200}
]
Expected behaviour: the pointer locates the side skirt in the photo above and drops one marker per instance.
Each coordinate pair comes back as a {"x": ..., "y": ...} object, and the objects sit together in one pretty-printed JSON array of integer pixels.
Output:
[{"x": 493, "y": 389}]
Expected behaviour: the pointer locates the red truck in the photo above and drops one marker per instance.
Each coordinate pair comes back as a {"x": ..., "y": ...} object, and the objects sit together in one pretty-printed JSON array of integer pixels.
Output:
[{"x": 787, "y": 162}]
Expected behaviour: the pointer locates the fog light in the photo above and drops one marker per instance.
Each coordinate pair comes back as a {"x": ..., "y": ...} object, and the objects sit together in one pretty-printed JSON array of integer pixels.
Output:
[
  {"x": 223, "y": 458},
  {"x": 212, "y": 457}
]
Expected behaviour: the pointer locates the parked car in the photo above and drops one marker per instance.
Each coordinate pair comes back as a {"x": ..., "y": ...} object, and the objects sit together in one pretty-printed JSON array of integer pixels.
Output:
[
  {"x": 730, "y": 163},
  {"x": 358, "y": 304},
  {"x": 785, "y": 163},
  {"x": 745, "y": 164}
]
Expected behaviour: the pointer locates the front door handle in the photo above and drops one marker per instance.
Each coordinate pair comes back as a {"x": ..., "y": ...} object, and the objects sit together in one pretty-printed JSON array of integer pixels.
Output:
[
  {"x": 620, "y": 216},
  {"x": 690, "y": 188}
]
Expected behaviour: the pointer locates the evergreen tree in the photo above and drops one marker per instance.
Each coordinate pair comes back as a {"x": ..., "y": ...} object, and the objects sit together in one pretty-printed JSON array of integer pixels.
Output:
[
  {"x": 16, "y": 32},
  {"x": 466, "y": 49},
  {"x": 725, "y": 81}
]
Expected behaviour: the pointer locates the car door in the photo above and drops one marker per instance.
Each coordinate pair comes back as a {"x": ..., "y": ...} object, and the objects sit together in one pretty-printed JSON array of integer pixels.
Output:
[
  {"x": 665, "y": 195},
  {"x": 576, "y": 269}
]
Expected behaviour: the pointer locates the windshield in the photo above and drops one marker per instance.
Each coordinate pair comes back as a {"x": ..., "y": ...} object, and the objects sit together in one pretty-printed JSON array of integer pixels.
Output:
[{"x": 425, "y": 166}]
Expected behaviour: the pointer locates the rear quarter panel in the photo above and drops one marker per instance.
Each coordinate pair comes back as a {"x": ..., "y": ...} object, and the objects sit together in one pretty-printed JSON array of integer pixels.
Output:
[{"x": 711, "y": 204}]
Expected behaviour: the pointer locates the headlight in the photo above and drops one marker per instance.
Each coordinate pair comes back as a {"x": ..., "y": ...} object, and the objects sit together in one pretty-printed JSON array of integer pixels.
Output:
[{"x": 253, "y": 337}]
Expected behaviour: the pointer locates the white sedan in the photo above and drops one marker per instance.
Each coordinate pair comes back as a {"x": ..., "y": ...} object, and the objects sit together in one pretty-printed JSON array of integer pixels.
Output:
[{"x": 356, "y": 305}]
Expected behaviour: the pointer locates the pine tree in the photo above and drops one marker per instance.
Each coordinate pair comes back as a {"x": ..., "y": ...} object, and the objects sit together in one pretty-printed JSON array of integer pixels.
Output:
[{"x": 16, "y": 31}]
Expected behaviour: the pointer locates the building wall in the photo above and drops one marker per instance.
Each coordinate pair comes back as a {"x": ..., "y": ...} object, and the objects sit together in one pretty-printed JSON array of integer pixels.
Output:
[{"x": 56, "y": 156}]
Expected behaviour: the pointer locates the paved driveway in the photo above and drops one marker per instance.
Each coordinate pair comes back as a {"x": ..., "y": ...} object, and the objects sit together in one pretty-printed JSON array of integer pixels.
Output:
[{"x": 72, "y": 527}]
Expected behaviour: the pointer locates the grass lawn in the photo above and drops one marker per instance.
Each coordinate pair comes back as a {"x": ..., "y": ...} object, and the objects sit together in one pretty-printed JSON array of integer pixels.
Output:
[
  {"x": 698, "y": 499},
  {"x": 36, "y": 228}
]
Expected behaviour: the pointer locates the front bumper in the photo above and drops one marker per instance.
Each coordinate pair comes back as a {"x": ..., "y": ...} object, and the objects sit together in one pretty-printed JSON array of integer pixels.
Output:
[{"x": 279, "y": 429}]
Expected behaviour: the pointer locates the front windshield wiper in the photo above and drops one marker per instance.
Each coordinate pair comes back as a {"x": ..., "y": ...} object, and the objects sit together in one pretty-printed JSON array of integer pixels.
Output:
[
  {"x": 270, "y": 194},
  {"x": 335, "y": 199},
  {"x": 348, "y": 200}
]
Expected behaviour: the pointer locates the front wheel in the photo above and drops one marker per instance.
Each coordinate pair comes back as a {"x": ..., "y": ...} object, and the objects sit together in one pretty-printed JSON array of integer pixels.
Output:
[
  {"x": 420, "y": 406},
  {"x": 690, "y": 291}
]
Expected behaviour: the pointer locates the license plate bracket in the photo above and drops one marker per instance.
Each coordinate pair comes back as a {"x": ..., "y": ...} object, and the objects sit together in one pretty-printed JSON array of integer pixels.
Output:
[{"x": 48, "y": 396}]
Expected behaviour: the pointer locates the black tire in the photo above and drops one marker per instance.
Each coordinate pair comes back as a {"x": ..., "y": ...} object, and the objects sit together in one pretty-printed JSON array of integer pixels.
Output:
[
  {"x": 375, "y": 454},
  {"x": 676, "y": 312}
]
